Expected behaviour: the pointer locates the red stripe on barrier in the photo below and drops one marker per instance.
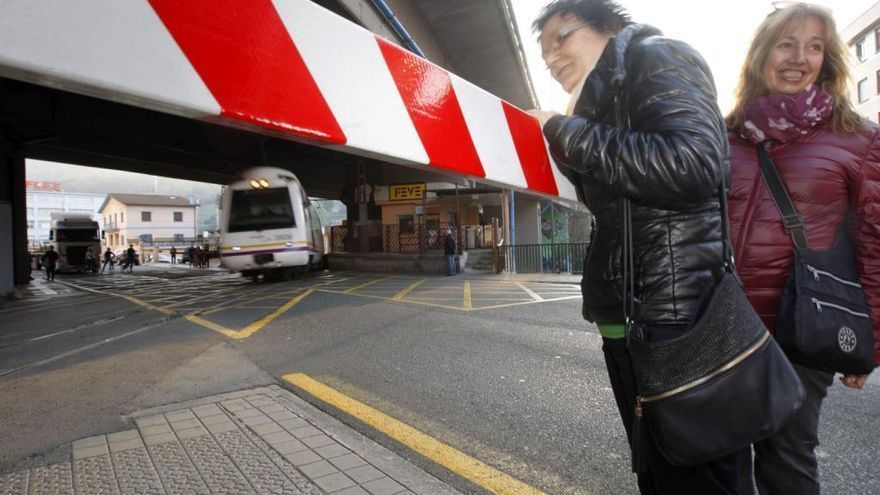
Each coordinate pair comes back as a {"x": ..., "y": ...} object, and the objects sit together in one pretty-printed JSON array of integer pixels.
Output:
[
  {"x": 529, "y": 143},
  {"x": 434, "y": 109},
  {"x": 243, "y": 53}
]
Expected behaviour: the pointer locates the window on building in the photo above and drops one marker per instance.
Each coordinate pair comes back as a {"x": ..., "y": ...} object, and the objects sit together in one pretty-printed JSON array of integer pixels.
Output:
[
  {"x": 122, "y": 217},
  {"x": 178, "y": 237},
  {"x": 405, "y": 223},
  {"x": 860, "y": 50},
  {"x": 122, "y": 239},
  {"x": 863, "y": 90},
  {"x": 146, "y": 238},
  {"x": 30, "y": 224},
  {"x": 178, "y": 216},
  {"x": 878, "y": 82},
  {"x": 146, "y": 216},
  {"x": 877, "y": 40}
]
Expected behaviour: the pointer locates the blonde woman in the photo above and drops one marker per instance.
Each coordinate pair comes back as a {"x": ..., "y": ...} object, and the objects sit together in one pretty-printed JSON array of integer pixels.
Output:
[{"x": 792, "y": 96}]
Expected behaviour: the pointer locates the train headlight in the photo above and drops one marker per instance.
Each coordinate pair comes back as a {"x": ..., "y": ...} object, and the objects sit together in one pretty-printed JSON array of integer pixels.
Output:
[
  {"x": 264, "y": 183},
  {"x": 236, "y": 248},
  {"x": 254, "y": 183},
  {"x": 288, "y": 244}
]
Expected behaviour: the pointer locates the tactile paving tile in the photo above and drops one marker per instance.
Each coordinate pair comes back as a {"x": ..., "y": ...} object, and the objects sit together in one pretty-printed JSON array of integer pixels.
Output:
[
  {"x": 263, "y": 474},
  {"x": 14, "y": 483},
  {"x": 135, "y": 473},
  {"x": 219, "y": 473},
  {"x": 305, "y": 486},
  {"x": 177, "y": 473},
  {"x": 94, "y": 475},
  {"x": 51, "y": 480}
]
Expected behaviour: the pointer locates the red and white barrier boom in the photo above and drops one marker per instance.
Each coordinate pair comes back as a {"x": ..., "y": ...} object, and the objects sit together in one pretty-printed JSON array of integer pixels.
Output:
[{"x": 285, "y": 67}]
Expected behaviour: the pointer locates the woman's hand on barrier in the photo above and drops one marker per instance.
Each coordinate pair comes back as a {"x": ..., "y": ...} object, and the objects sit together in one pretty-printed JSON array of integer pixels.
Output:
[
  {"x": 854, "y": 381},
  {"x": 541, "y": 115}
]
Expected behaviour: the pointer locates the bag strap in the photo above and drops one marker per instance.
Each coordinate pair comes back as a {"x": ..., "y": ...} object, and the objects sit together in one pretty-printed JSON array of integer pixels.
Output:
[{"x": 791, "y": 218}]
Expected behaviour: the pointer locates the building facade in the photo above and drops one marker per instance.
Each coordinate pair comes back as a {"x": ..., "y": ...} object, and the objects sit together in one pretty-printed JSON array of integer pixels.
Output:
[
  {"x": 147, "y": 219},
  {"x": 862, "y": 37},
  {"x": 44, "y": 198}
]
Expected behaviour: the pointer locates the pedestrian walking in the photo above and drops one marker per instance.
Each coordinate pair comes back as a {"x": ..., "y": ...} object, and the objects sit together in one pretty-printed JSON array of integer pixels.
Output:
[
  {"x": 190, "y": 255},
  {"x": 792, "y": 101},
  {"x": 50, "y": 262},
  {"x": 108, "y": 259},
  {"x": 642, "y": 125},
  {"x": 173, "y": 255},
  {"x": 449, "y": 253},
  {"x": 130, "y": 254},
  {"x": 91, "y": 261}
]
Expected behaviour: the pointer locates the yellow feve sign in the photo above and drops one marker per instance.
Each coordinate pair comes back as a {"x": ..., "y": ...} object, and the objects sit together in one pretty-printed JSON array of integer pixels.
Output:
[{"x": 405, "y": 192}]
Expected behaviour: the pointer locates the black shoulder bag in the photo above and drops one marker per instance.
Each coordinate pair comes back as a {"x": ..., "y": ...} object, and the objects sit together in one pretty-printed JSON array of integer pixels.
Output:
[
  {"x": 721, "y": 385},
  {"x": 824, "y": 322}
]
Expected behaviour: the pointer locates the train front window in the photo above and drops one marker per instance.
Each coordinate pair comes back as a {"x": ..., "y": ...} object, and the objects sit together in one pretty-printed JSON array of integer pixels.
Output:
[{"x": 261, "y": 209}]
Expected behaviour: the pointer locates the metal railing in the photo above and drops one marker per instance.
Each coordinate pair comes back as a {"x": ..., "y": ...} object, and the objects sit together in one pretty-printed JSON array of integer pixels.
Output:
[
  {"x": 375, "y": 238},
  {"x": 545, "y": 258}
]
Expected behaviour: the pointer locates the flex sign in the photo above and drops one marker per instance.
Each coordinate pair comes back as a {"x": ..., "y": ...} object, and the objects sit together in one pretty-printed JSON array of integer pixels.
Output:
[{"x": 406, "y": 192}]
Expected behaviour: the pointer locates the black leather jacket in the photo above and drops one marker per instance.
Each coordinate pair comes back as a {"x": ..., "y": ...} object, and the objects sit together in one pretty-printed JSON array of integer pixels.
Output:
[{"x": 647, "y": 127}]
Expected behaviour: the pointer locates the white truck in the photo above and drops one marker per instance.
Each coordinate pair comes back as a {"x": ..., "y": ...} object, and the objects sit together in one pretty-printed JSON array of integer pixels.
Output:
[{"x": 72, "y": 235}]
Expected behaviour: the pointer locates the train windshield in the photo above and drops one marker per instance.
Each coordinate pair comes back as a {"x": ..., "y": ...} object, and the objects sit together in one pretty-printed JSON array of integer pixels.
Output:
[{"x": 261, "y": 209}]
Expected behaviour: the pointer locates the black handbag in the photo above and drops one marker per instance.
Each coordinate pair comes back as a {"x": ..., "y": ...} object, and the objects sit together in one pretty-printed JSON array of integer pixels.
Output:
[
  {"x": 824, "y": 322},
  {"x": 721, "y": 385}
]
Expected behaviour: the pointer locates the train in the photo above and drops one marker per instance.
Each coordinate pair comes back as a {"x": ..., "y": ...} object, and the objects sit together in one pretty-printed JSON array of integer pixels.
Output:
[{"x": 269, "y": 227}]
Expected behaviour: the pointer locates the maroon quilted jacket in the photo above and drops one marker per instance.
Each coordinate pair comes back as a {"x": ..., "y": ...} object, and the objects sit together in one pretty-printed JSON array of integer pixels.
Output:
[{"x": 825, "y": 174}]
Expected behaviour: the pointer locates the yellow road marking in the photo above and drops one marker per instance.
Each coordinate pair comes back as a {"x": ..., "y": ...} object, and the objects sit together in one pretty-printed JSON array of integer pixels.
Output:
[
  {"x": 400, "y": 295},
  {"x": 358, "y": 287},
  {"x": 456, "y": 461},
  {"x": 466, "y": 304},
  {"x": 213, "y": 326},
  {"x": 253, "y": 327},
  {"x": 135, "y": 300},
  {"x": 530, "y": 292}
]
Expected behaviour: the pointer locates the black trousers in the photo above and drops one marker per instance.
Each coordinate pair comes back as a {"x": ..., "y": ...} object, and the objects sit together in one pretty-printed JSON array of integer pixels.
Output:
[{"x": 658, "y": 477}]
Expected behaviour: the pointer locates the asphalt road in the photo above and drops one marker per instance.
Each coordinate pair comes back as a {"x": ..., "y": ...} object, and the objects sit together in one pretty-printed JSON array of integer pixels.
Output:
[{"x": 505, "y": 372}]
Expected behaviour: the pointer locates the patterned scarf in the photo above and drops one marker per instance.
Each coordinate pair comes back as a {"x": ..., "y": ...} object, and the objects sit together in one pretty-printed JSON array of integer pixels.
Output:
[{"x": 784, "y": 118}]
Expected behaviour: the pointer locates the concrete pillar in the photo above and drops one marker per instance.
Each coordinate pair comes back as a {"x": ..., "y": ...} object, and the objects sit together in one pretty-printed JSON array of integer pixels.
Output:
[{"x": 13, "y": 217}]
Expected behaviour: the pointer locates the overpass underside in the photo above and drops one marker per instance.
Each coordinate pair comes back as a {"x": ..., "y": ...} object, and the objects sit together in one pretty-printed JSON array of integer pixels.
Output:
[{"x": 42, "y": 123}]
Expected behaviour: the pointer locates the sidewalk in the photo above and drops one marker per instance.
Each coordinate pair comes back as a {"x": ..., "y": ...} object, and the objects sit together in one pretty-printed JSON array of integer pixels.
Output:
[{"x": 262, "y": 440}]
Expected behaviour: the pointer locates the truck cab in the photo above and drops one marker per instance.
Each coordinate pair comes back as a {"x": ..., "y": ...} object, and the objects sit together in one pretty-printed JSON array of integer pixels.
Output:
[{"x": 73, "y": 234}]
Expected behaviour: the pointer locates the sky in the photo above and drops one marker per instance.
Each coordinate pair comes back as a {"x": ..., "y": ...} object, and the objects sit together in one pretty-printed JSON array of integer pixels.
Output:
[{"x": 719, "y": 29}]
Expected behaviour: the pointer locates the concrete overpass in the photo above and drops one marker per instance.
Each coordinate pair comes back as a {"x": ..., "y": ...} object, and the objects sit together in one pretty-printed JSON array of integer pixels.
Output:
[{"x": 196, "y": 91}]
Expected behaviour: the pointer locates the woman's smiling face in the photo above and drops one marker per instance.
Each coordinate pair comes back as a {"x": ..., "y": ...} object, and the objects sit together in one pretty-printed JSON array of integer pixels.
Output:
[
  {"x": 570, "y": 48},
  {"x": 795, "y": 60}
]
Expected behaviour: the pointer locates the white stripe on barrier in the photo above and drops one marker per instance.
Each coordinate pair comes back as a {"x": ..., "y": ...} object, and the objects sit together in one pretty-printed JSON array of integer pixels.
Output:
[
  {"x": 111, "y": 49},
  {"x": 566, "y": 188},
  {"x": 490, "y": 133},
  {"x": 349, "y": 69}
]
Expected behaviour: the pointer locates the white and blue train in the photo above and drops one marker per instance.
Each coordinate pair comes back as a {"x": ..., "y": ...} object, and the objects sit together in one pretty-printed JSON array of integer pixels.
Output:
[{"x": 269, "y": 226}]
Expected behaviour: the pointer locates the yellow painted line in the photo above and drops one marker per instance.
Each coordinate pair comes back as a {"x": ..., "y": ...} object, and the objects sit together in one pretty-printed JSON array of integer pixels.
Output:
[
  {"x": 530, "y": 292},
  {"x": 213, "y": 326},
  {"x": 466, "y": 304},
  {"x": 400, "y": 295},
  {"x": 400, "y": 301},
  {"x": 358, "y": 287},
  {"x": 253, "y": 327},
  {"x": 456, "y": 461},
  {"x": 123, "y": 296}
]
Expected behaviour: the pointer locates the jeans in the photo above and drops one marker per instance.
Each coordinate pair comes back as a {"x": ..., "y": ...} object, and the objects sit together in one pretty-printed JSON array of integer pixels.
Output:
[
  {"x": 658, "y": 477},
  {"x": 450, "y": 264},
  {"x": 785, "y": 463}
]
